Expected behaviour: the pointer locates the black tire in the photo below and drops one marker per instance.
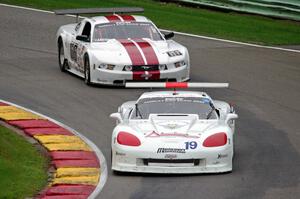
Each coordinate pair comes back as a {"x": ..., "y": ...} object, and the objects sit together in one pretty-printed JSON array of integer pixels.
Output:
[
  {"x": 87, "y": 73},
  {"x": 61, "y": 56}
]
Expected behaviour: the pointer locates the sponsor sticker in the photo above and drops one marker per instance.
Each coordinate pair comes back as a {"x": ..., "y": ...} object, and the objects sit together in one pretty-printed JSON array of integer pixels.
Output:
[
  {"x": 170, "y": 150},
  {"x": 170, "y": 156},
  {"x": 222, "y": 156}
]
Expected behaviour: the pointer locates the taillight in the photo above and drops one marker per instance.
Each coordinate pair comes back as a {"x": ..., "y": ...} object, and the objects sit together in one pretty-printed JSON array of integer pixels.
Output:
[
  {"x": 218, "y": 139},
  {"x": 128, "y": 139}
]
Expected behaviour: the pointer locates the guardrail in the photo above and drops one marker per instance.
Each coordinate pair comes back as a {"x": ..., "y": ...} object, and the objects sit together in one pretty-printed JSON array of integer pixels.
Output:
[{"x": 286, "y": 9}]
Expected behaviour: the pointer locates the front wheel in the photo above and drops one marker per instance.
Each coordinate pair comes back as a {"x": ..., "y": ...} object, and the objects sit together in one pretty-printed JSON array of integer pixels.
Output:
[
  {"x": 61, "y": 56},
  {"x": 87, "y": 74}
]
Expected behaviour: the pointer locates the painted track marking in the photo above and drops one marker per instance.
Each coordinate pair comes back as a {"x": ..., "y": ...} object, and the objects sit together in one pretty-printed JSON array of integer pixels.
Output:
[{"x": 100, "y": 156}]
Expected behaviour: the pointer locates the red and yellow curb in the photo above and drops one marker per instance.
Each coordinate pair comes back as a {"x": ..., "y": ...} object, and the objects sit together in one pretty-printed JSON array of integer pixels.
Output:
[{"x": 77, "y": 167}]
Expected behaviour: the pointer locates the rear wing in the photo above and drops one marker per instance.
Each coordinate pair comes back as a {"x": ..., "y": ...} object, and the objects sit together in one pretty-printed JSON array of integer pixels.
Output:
[
  {"x": 114, "y": 10},
  {"x": 174, "y": 85}
]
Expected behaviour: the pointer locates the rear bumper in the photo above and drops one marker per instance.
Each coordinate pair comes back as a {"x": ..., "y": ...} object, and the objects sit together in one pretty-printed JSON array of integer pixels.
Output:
[{"x": 112, "y": 77}]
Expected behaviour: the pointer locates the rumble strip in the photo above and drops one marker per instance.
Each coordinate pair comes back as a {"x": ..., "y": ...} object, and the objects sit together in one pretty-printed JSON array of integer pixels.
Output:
[{"x": 80, "y": 168}]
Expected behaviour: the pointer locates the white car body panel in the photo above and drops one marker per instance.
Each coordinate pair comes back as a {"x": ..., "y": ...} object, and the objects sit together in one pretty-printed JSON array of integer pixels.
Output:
[
  {"x": 114, "y": 52},
  {"x": 163, "y": 139}
]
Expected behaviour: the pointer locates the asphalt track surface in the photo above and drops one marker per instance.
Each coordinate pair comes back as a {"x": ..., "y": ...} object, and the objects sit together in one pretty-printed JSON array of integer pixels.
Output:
[{"x": 264, "y": 86}]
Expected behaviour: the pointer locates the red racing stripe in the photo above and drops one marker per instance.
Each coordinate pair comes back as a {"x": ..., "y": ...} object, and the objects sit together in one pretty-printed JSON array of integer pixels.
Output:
[
  {"x": 133, "y": 52},
  {"x": 112, "y": 18},
  {"x": 127, "y": 17},
  {"x": 148, "y": 51},
  {"x": 146, "y": 75},
  {"x": 155, "y": 75},
  {"x": 138, "y": 75}
]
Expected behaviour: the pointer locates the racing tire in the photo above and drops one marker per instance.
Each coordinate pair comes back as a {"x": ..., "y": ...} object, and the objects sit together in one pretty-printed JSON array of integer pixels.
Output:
[
  {"x": 62, "y": 61},
  {"x": 87, "y": 72}
]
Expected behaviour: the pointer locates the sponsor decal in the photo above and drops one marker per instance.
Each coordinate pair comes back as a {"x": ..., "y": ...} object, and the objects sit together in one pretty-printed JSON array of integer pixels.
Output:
[
  {"x": 222, "y": 156},
  {"x": 120, "y": 154},
  {"x": 170, "y": 156},
  {"x": 170, "y": 150},
  {"x": 154, "y": 134}
]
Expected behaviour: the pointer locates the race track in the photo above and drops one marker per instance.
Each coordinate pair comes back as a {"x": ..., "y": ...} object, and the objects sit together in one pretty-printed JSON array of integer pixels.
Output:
[{"x": 264, "y": 86}]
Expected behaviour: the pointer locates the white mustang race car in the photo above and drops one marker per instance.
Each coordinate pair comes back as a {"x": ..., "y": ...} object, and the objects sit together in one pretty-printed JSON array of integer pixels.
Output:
[
  {"x": 115, "y": 49},
  {"x": 174, "y": 132}
]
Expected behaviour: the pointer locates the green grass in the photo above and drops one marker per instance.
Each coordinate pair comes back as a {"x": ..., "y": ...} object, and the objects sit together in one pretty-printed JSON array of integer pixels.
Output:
[
  {"x": 23, "y": 170},
  {"x": 240, "y": 27}
]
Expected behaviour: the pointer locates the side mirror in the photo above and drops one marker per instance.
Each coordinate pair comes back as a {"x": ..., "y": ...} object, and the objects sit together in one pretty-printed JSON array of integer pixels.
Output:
[
  {"x": 116, "y": 116},
  {"x": 231, "y": 116},
  {"x": 82, "y": 38},
  {"x": 169, "y": 35}
]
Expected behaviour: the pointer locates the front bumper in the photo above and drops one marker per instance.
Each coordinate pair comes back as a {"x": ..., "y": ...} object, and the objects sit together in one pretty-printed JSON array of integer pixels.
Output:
[
  {"x": 115, "y": 77},
  {"x": 217, "y": 160}
]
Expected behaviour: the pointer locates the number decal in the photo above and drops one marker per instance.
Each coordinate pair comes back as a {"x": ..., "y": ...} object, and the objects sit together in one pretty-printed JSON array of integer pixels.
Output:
[{"x": 190, "y": 145}]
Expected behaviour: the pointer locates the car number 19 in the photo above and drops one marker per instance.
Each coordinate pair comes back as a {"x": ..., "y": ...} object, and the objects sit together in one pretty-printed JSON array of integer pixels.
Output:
[{"x": 190, "y": 145}]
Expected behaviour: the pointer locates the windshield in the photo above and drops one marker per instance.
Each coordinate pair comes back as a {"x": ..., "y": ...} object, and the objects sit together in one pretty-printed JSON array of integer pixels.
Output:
[
  {"x": 174, "y": 106},
  {"x": 123, "y": 30}
]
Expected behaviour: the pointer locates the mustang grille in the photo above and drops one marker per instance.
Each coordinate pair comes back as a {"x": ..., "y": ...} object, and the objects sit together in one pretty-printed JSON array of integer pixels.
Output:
[{"x": 145, "y": 68}]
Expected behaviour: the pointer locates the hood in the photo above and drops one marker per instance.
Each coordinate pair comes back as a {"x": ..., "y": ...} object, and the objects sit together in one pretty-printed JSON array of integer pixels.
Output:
[
  {"x": 167, "y": 125},
  {"x": 135, "y": 51}
]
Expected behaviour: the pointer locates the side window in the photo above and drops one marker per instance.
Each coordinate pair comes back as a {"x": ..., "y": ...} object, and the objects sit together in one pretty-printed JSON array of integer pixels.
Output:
[{"x": 87, "y": 30}]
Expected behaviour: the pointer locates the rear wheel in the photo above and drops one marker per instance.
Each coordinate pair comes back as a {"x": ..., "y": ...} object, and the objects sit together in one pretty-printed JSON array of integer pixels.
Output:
[
  {"x": 87, "y": 73},
  {"x": 61, "y": 56}
]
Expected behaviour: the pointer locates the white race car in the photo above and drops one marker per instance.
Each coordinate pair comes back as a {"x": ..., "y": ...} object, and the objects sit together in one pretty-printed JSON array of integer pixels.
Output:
[
  {"x": 174, "y": 132},
  {"x": 115, "y": 49}
]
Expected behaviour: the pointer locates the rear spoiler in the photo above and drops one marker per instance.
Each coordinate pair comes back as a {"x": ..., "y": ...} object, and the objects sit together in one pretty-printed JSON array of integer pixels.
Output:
[
  {"x": 174, "y": 85},
  {"x": 114, "y": 10}
]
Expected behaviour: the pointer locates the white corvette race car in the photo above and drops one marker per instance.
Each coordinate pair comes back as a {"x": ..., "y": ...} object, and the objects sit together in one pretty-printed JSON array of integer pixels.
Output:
[
  {"x": 115, "y": 49},
  {"x": 173, "y": 132}
]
